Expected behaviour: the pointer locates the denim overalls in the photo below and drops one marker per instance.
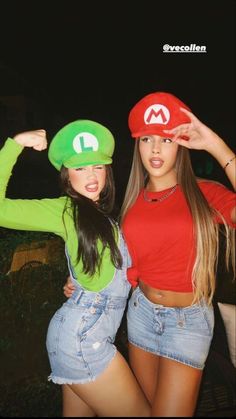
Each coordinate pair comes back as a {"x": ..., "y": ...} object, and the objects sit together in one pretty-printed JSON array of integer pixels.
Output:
[{"x": 81, "y": 333}]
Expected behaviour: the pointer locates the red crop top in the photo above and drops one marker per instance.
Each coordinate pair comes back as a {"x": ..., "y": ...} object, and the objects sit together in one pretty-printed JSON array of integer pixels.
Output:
[{"x": 160, "y": 239}]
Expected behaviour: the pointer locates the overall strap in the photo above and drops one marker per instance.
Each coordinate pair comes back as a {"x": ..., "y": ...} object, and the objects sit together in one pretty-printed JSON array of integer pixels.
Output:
[{"x": 70, "y": 267}]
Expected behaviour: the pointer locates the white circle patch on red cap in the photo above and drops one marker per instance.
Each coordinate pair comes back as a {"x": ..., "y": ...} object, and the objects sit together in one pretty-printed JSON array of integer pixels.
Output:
[
  {"x": 85, "y": 141},
  {"x": 157, "y": 114}
]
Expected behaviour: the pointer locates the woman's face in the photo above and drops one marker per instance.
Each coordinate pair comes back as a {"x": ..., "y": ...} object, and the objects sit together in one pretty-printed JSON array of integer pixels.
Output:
[
  {"x": 158, "y": 155},
  {"x": 89, "y": 181}
]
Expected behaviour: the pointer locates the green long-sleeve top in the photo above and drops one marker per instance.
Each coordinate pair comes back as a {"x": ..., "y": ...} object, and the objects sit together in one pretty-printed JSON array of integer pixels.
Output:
[{"x": 46, "y": 215}]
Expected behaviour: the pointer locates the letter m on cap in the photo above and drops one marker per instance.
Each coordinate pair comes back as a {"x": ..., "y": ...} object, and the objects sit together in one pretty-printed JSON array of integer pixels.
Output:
[{"x": 157, "y": 114}]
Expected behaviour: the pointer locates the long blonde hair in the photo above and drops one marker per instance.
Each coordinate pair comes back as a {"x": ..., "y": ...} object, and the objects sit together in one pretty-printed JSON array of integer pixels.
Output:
[{"x": 206, "y": 231}]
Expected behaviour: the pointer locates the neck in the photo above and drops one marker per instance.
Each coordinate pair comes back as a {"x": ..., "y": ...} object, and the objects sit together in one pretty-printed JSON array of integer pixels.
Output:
[{"x": 158, "y": 184}]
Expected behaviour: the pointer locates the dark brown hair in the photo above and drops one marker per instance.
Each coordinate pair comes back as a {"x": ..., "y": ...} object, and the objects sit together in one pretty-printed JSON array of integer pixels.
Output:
[{"x": 94, "y": 222}]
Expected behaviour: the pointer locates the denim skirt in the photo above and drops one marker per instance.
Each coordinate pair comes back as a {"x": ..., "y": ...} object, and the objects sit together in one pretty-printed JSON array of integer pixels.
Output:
[{"x": 182, "y": 334}]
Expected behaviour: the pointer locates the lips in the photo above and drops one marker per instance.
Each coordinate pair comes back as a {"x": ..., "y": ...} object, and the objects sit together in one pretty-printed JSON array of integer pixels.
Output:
[
  {"x": 156, "y": 163},
  {"x": 92, "y": 187}
]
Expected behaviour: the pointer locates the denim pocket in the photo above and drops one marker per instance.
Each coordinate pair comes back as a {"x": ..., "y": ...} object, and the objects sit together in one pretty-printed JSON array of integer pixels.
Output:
[
  {"x": 92, "y": 320},
  {"x": 208, "y": 314},
  {"x": 53, "y": 333},
  {"x": 199, "y": 317}
]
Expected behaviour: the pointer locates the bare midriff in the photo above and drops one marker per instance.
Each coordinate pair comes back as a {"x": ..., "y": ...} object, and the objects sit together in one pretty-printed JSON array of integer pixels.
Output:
[{"x": 166, "y": 298}]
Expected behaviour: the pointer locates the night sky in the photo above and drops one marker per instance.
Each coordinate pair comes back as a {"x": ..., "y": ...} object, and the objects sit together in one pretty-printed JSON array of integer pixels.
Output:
[{"x": 95, "y": 59}]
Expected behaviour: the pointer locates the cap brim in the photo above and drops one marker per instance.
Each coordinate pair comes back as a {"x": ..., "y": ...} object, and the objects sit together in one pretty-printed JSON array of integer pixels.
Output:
[
  {"x": 150, "y": 130},
  {"x": 87, "y": 159},
  {"x": 155, "y": 130}
]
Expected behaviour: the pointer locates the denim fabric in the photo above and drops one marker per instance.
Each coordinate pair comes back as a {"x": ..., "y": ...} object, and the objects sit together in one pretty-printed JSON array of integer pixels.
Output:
[
  {"x": 81, "y": 333},
  {"x": 182, "y": 334}
]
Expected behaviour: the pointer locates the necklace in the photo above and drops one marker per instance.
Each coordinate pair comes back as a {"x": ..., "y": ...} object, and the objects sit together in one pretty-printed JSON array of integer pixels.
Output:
[{"x": 162, "y": 198}]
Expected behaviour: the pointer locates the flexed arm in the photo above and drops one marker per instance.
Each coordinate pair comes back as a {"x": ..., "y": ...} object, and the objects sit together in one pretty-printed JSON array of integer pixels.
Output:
[
  {"x": 36, "y": 139},
  {"x": 11, "y": 150},
  {"x": 23, "y": 214}
]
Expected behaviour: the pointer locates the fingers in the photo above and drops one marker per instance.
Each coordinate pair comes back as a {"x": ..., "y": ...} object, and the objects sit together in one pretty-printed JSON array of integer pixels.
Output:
[
  {"x": 40, "y": 145},
  {"x": 40, "y": 140},
  {"x": 183, "y": 129},
  {"x": 191, "y": 116},
  {"x": 70, "y": 287},
  {"x": 179, "y": 131},
  {"x": 68, "y": 290},
  {"x": 184, "y": 143}
]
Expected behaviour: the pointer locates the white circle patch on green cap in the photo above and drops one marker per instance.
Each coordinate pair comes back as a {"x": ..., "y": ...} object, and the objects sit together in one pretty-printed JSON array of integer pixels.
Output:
[{"x": 85, "y": 141}]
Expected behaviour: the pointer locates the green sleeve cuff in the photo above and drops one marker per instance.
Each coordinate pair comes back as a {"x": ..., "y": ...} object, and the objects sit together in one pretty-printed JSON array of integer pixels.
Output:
[{"x": 11, "y": 144}]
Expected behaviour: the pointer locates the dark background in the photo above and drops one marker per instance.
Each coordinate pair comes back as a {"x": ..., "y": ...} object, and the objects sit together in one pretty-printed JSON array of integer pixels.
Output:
[
  {"x": 95, "y": 59},
  {"x": 64, "y": 60}
]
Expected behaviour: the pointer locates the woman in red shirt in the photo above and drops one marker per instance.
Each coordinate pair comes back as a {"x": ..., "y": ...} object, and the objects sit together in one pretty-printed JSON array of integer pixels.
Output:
[
  {"x": 170, "y": 220},
  {"x": 171, "y": 223}
]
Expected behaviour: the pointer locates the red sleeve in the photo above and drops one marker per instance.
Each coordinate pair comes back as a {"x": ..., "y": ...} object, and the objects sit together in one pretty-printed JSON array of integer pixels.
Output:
[{"x": 220, "y": 198}]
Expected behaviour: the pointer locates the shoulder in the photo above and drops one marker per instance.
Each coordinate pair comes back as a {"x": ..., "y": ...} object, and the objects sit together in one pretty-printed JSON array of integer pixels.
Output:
[
  {"x": 208, "y": 186},
  {"x": 216, "y": 192}
]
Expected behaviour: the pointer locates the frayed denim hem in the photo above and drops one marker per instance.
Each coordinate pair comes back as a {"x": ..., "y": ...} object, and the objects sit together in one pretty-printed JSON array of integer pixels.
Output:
[{"x": 59, "y": 380}]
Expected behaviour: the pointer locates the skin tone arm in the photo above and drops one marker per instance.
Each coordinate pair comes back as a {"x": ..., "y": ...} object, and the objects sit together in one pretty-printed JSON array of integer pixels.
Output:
[
  {"x": 203, "y": 138},
  {"x": 35, "y": 139}
]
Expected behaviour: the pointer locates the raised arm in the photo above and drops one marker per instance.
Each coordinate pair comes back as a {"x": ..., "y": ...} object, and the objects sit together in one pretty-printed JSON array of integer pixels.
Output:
[
  {"x": 203, "y": 138},
  {"x": 23, "y": 214},
  {"x": 35, "y": 139}
]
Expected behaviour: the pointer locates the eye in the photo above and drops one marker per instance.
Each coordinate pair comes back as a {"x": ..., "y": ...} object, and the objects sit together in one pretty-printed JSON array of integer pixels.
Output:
[
  {"x": 145, "y": 139},
  {"x": 166, "y": 140},
  {"x": 79, "y": 169},
  {"x": 100, "y": 166}
]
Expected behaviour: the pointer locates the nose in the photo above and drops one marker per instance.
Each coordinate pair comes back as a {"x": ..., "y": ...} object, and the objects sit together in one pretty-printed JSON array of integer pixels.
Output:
[
  {"x": 91, "y": 172},
  {"x": 156, "y": 146}
]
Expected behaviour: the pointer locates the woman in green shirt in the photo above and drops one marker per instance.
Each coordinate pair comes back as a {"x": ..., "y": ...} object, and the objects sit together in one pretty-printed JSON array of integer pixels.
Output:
[{"x": 95, "y": 378}]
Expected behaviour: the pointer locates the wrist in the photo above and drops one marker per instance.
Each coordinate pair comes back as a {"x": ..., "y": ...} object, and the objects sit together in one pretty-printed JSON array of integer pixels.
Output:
[
  {"x": 18, "y": 139},
  {"x": 220, "y": 151},
  {"x": 229, "y": 162},
  {"x": 216, "y": 146},
  {"x": 14, "y": 143}
]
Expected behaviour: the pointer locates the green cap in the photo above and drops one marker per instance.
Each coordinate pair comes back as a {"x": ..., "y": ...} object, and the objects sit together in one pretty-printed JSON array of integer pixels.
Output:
[{"x": 81, "y": 143}]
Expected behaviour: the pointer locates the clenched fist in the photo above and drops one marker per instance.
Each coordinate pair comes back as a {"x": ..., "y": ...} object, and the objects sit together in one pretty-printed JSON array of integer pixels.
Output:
[{"x": 36, "y": 139}]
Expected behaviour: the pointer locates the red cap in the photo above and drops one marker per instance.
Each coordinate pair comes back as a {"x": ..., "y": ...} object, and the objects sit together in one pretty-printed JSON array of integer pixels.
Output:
[{"x": 155, "y": 113}]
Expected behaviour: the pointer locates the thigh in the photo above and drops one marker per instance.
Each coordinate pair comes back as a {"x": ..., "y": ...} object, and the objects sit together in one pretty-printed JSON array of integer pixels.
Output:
[
  {"x": 115, "y": 392},
  {"x": 145, "y": 368},
  {"x": 73, "y": 405},
  {"x": 177, "y": 389}
]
